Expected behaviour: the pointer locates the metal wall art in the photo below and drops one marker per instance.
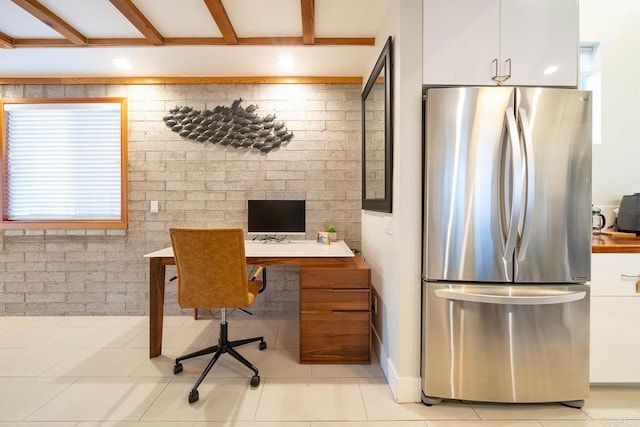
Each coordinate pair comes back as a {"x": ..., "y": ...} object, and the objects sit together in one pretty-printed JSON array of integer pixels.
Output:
[{"x": 235, "y": 126}]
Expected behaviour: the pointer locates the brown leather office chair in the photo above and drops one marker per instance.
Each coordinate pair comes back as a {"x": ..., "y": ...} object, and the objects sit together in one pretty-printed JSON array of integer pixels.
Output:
[{"x": 212, "y": 272}]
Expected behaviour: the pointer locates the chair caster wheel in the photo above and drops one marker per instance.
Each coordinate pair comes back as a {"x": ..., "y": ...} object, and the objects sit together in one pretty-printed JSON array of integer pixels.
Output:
[
  {"x": 193, "y": 396},
  {"x": 255, "y": 381},
  {"x": 263, "y": 345},
  {"x": 177, "y": 368}
]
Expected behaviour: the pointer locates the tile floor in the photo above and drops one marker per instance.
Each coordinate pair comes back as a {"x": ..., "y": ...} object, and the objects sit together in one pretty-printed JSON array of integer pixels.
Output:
[{"x": 95, "y": 371}]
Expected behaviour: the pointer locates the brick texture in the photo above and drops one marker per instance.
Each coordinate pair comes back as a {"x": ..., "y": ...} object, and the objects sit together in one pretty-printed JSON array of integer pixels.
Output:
[{"x": 102, "y": 272}]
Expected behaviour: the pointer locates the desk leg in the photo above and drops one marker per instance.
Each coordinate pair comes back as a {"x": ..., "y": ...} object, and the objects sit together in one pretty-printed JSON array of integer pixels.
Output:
[{"x": 156, "y": 305}]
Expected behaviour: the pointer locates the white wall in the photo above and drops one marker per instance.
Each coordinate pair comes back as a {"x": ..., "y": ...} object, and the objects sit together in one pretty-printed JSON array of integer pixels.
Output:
[
  {"x": 395, "y": 259},
  {"x": 614, "y": 23}
]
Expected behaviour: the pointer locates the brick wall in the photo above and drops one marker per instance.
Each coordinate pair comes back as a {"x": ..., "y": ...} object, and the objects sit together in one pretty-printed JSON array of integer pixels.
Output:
[{"x": 80, "y": 272}]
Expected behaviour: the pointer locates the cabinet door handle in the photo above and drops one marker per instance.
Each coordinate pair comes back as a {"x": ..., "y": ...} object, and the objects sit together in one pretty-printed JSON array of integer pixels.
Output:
[
  {"x": 630, "y": 276},
  {"x": 508, "y": 76},
  {"x": 501, "y": 79}
]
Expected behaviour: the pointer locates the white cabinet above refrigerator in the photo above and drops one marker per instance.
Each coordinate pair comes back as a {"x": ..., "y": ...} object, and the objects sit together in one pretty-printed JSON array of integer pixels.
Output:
[{"x": 477, "y": 42}]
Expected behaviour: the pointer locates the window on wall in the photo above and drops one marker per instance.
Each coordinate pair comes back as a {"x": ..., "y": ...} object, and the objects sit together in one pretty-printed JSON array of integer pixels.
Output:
[
  {"x": 591, "y": 79},
  {"x": 64, "y": 163}
]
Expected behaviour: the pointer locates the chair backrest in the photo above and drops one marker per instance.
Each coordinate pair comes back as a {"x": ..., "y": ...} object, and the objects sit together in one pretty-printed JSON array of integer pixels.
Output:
[{"x": 212, "y": 268}]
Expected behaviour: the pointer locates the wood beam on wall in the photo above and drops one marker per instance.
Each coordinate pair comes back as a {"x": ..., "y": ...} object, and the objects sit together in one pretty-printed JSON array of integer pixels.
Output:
[
  {"x": 133, "y": 14},
  {"x": 52, "y": 20},
  {"x": 180, "y": 80},
  {"x": 197, "y": 41},
  {"x": 219, "y": 14}
]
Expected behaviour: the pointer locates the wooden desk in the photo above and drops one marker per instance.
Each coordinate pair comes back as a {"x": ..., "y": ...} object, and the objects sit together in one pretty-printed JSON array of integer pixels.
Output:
[{"x": 297, "y": 252}]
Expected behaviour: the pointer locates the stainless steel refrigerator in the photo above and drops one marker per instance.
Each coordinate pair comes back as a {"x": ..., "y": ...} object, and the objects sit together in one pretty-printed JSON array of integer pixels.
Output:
[{"x": 507, "y": 244}]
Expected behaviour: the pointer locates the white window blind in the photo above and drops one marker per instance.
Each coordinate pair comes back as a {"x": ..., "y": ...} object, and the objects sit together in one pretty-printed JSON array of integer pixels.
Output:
[
  {"x": 591, "y": 79},
  {"x": 63, "y": 161}
]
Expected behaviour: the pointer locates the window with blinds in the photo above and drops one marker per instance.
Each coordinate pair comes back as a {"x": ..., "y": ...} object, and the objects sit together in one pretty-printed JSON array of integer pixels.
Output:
[
  {"x": 64, "y": 163},
  {"x": 591, "y": 79}
]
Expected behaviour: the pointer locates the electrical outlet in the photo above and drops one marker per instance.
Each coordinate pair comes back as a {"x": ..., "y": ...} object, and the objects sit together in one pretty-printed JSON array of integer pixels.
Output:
[
  {"x": 374, "y": 304},
  {"x": 154, "y": 206}
]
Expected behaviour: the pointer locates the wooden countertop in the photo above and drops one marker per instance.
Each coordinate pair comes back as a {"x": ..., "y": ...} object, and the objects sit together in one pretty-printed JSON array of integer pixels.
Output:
[{"x": 614, "y": 243}]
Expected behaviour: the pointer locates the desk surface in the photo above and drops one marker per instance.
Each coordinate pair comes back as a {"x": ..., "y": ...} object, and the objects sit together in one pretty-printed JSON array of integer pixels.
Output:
[{"x": 294, "y": 249}]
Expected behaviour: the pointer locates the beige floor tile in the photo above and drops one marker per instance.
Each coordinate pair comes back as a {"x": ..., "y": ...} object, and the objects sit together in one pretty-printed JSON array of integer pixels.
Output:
[
  {"x": 395, "y": 423},
  {"x": 613, "y": 402},
  {"x": 29, "y": 321},
  {"x": 253, "y": 424},
  {"x": 36, "y": 424},
  {"x": 175, "y": 321},
  {"x": 590, "y": 423},
  {"x": 32, "y": 337},
  {"x": 483, "y": 423},
  {"x": 309, "y": 399},
  {"x": 162, "y": 366},
  {"x": 96, "y": 399},
  {"x": 96, "y": 337},
  {"x": 106, "y": 362},
  {"x": 220, "y": 399},
  {"x": 380, "y": 405},
  {"x": 534, "y": 411},
  {"x": 25, "y": 362},
  {"x": 288, "y": 337},
  {"x": 363, "y": 370},
  {"x": 136, "y": 322},
  {"x": 92, "y": 321},
  {"x": 271, "y": 362},
  {"x": 133, "y": 424},
  {"x": 184, "y": 339},
  {"x": 20, "y": 397}
]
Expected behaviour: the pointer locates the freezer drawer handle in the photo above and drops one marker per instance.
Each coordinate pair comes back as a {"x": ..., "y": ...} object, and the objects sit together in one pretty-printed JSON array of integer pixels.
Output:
[
  {"x": 514, "y": 300},
  {"x": 630, "y": 276}
]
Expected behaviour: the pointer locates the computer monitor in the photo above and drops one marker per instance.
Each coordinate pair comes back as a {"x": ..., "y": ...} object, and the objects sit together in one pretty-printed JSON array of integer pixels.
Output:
[{"x": 276, "y": 217}]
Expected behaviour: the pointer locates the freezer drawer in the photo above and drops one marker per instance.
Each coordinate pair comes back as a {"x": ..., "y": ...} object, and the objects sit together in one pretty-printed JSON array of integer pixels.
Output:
[{"x": 519, "y": 343}]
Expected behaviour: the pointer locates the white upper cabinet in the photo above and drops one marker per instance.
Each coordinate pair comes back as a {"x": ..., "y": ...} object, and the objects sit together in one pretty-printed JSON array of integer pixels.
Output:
[{"x": 523, "y": 42}]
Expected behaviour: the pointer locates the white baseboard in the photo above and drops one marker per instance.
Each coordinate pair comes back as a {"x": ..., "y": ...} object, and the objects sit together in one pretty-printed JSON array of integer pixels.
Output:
[{"x": 403, "y": 389}]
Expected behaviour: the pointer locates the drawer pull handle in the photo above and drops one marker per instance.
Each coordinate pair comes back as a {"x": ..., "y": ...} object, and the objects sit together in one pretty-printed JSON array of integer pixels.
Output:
[{"x": 630, "y": 276}]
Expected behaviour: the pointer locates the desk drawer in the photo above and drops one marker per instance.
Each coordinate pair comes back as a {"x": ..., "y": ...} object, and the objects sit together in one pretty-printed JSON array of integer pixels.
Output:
[
  {"x": 349, "y": 276},
  {"x": 335, "y": 300},
  {"x": 337, "y": 337}
]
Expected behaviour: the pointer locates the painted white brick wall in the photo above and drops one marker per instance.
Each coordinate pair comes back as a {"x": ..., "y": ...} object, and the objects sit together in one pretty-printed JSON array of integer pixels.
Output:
[{"x": 102, "y": 271}]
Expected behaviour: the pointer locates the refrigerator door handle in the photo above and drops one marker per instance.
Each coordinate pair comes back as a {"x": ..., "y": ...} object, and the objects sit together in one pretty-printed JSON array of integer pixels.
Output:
[
  {"x": 530, "y": 172},
  {"x": 516, "y": 169},
  {"x": 556, "y": 298}
]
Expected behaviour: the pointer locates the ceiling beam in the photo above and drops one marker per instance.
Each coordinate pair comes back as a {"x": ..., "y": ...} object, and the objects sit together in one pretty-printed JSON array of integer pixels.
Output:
[
  {"x": 219, "y": 14},
  {"x": 52, "y": 20},
  {"x": 308, "y": 21},
  {"x": 6, "y": 41},
  {"x": 133, "y": 14}
]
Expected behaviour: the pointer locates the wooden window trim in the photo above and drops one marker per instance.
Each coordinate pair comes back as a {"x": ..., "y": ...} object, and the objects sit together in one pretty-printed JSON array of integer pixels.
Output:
[{"x": 80, "y": 224}]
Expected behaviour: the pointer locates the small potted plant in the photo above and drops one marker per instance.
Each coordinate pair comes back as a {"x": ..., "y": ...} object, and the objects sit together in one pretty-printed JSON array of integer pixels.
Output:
[{"x": 333, "y": 234}]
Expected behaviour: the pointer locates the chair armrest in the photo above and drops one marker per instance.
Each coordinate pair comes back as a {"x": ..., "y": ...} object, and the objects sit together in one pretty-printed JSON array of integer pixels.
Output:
[{"x": 257, "y": 273}]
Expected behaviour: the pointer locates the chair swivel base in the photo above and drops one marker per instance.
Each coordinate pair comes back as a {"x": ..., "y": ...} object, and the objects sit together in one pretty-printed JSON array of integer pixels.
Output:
[{"x": 223, "y": 346}]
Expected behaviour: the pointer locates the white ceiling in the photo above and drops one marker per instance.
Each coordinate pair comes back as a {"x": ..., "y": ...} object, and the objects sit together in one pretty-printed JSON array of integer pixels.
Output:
[{"x": 191, "y": 19}]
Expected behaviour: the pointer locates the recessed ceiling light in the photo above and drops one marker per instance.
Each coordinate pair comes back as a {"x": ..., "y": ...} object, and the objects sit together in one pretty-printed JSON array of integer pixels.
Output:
[
  {"x": 550, "y": 70},
  {"x": 122, "y": 63},
  {"x": 285, "y": 63}
]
